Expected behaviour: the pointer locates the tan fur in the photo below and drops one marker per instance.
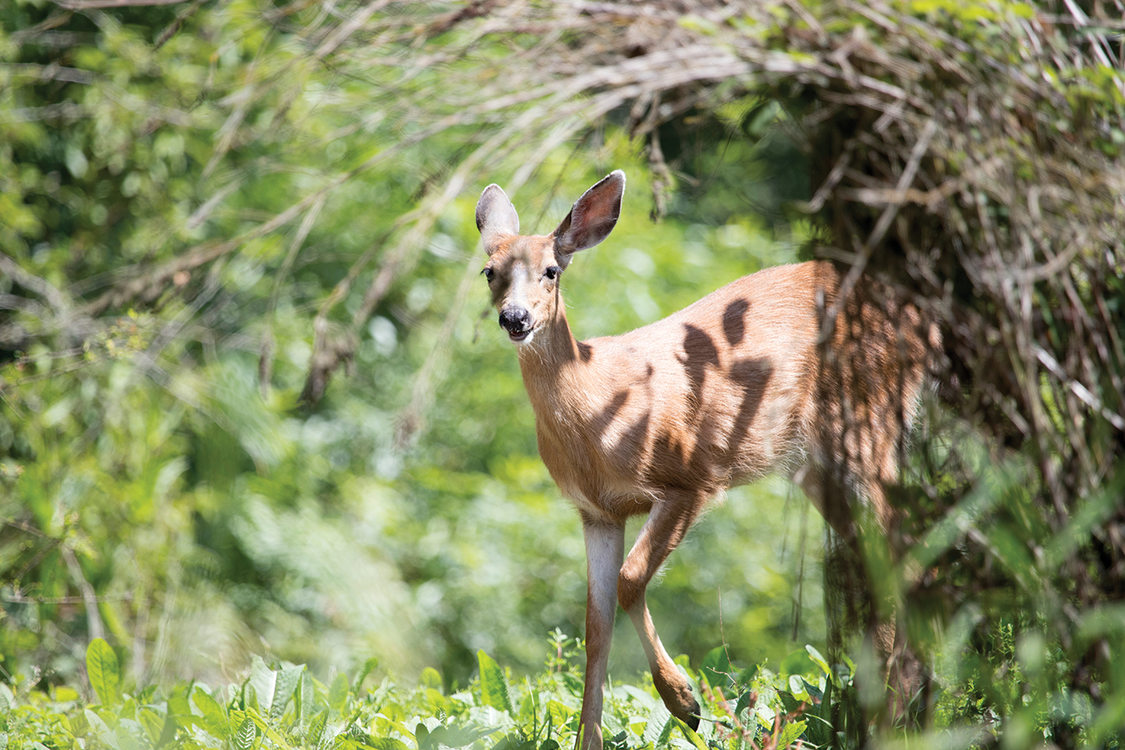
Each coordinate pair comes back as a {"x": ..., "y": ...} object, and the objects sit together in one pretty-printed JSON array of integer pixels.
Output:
[{"x": 769, "y": 373}]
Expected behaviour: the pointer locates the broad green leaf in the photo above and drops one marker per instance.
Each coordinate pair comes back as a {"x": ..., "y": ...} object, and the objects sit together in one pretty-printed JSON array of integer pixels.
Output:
[
  {"x": 179, "y": 706},
  {"x": 716, "y": 667},
  {"x": 422, "y": 737},
  {"x": 264, "y": 682},
  {"x": 493, "y": 685},
  {"x": 130, "y": 734},
  {"x": 103, "y": 671},
  {"x": 767, "y": 716},
  {"x": 287, "y": 681},
  {"x": 153, "y": 724},
  {"x": 213, "y": 718}
]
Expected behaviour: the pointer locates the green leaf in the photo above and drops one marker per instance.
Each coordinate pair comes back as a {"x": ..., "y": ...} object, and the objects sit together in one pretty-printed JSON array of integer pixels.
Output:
[
  {"x": 493, "y": 685},
  {"x": 744, "y": 702},
  {"x": 430, "y": 678},
  {"x": 338, "y": 693},
  {"x": 557, "y": 714},
  {"x": 386, "y": 743},
  {"x": 797, "y": 688},
  {"x": 368, "y": 667},
  {"x": 790, "y": 733},
  {"x": 529, "y": 706},
  {"x": 287, "y": 681},
  {"x": 819, "y": 660},
  {"x": 268, "y": 732},
  {"x": 246, "y": 734},
  {"x": 716, "y": 667},
  {"x": 263, "y": 680},
  {"x": 103, "y": 671},
  {"x": 656, "y": 729},
  {"x": 213, "y": 717},
  {"x": 315, "y": 733},
  {"x": 98, "y": 725},
  {"x": 179, "y": 706},
  {"x": 694, "y": 738},
  {"x": 457, "y": 736},
  {"x": 158, "y": 727},
  {"x": 422, "y": 737}
]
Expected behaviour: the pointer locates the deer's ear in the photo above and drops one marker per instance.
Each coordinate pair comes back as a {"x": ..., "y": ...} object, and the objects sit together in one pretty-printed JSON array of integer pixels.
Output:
[
  {"x": 592, "y": 217},
  {"x": 496, "y": 216}
]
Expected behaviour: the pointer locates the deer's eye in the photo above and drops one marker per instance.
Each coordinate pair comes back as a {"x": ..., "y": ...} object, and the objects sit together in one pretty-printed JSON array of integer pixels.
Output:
[
  {"x": 489, "y": 274},
  {"x": 552, "y": 272}
]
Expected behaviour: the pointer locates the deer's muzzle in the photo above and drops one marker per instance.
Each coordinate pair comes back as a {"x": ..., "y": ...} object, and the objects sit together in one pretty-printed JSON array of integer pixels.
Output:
[{"x": 516, "y": 321}]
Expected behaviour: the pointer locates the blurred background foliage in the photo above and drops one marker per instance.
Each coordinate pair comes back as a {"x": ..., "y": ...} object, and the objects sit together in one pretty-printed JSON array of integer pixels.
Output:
[
  {"x": 252, "y": 401},
  {"x": 163, "y": 487}
]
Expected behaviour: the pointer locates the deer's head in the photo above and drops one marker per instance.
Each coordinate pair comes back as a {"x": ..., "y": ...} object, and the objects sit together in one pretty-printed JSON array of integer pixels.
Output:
[{"x": 523, "y": 271}]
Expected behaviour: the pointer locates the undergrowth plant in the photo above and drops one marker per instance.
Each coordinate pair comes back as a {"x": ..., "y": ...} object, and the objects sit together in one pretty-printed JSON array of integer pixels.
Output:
[{"x": 282, "y": 705}]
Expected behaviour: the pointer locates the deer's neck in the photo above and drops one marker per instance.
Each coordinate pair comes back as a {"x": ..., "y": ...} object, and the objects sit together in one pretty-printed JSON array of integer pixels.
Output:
[{"x": 554, "y": 364}]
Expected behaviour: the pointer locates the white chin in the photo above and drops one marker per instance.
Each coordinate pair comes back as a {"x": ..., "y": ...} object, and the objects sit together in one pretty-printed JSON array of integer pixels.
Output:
[{"x": 523, "y": 340}]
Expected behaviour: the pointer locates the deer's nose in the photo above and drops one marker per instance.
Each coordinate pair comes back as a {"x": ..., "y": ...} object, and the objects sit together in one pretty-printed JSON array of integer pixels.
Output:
[{"x": 515, "y": 320}]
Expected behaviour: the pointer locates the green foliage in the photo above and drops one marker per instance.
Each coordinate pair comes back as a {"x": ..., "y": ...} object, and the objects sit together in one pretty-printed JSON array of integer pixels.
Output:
[{"x": 284, "y": 706}]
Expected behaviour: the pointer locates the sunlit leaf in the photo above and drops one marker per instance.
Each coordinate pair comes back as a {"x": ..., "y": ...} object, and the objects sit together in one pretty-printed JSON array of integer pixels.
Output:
[
  {"x": 103, "y": 671},
  {"x": 493, "y": 684}
]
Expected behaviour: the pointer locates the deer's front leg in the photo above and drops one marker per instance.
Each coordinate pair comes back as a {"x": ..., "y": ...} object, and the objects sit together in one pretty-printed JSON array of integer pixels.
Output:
[
  {"x": 665, "y": 528},
  {"x": 605, "y": 546}
]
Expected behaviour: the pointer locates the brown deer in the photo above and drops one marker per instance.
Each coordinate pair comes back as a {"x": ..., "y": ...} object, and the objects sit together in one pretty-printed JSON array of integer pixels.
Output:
[{"x": 781, "y": 370}]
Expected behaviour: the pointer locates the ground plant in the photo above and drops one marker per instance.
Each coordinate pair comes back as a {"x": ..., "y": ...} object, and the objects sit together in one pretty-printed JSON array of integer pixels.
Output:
[{"x": 283, "y": 706}]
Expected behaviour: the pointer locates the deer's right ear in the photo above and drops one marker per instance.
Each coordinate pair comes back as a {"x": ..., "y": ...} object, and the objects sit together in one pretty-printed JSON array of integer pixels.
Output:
[{"x": 496, "y": 216}]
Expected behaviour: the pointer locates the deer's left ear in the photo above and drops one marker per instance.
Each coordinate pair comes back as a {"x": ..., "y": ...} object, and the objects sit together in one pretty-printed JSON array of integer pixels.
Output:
[
  {"x": 496, "y": 216},
  {"x": 592, "y": 217}
]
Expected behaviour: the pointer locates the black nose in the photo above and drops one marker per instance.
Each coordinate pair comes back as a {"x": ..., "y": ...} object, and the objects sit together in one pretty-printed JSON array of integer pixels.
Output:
[{"x": 515, "y": 320}]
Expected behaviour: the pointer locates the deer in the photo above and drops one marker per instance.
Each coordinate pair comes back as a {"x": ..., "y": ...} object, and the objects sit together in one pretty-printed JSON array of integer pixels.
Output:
[{"x": 789, "y": 369}]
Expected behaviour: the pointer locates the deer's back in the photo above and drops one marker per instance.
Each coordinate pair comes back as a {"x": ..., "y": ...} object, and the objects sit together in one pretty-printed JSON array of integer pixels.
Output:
[{"x": 716, "y": 394}]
